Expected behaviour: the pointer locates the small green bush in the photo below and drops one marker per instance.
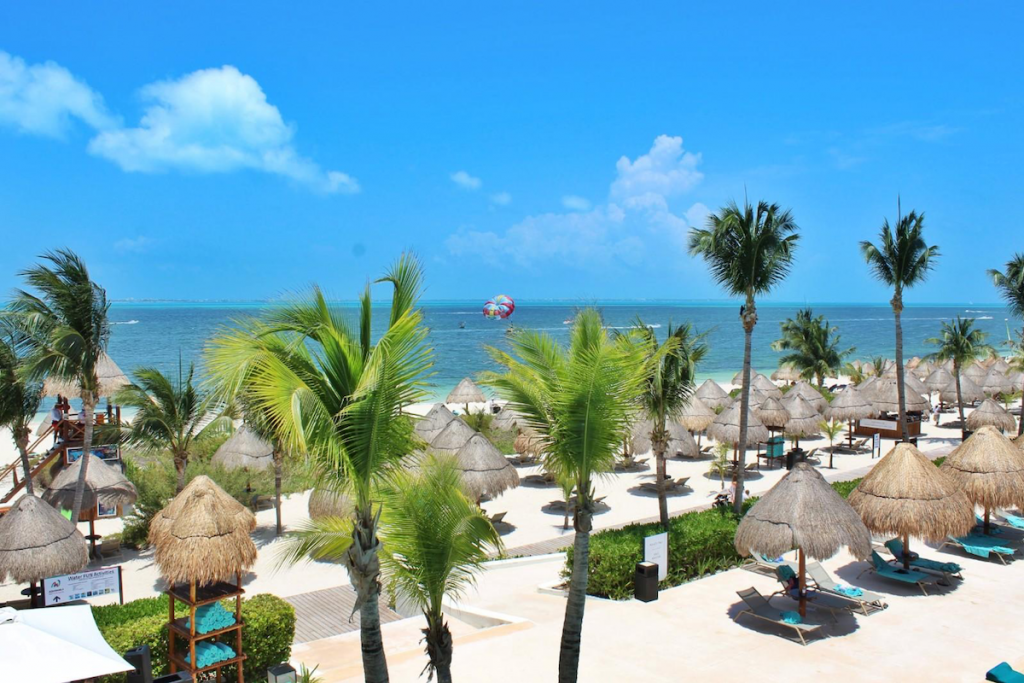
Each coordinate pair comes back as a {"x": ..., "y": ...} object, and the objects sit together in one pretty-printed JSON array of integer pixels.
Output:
[{"x": 843, "y": 488}]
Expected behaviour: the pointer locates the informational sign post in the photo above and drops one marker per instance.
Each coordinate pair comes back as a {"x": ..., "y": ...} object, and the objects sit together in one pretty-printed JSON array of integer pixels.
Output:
[
  {"x": 885, "y": 425},
  {"x": 656, "y": 550},
  {"x": 106, "y": 582},
  {"x": 876, "y": 446}
]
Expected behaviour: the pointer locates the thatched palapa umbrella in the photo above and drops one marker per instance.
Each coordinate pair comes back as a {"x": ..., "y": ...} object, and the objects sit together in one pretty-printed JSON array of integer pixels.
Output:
[
  {"x": 454, "y": 436},
  {"x": 914, "y": 384},
  {"x": 885, "y": 396},
  {"x": 726, "y": 427},
  {"x": 680, "y": 441},
  {"x": 111, "y": 379},
  {"x": 996, "y": 382},
  {"x": 244, "y": 450},
  {"x": 923, "y": 369},
  {"x": 772, "y": 413},
  {"x": 104, "y": 484},
  {"x": 912, "y": 363},
  {"x": 1000, "y": 365},
  {"x": 907, "y": 495},
  {"x": 202, "y": 536},
  {"x": 969, "y": 391},
  {"x": 36, "y": 541},
  {"x": 849, "y": 405},
  {"x": 809, "y": 394},
  {"x": 976, "y": 371},
  {"x": 766, "y": 386},
  {"x": 485, "y": 471},
  {"x": 803, "y": 420},
  {"x": 786, "y": 373},
  {"x": 466, "y": 392},
  {"x": 989, "y": 468},
  {"x": 507, "y": 420},
  {"x": 937, "y": 379},
  {"x": 737, "y": 379},
  {"x": 696, "y": 417},
  {"x": 431, "y": 424},
  {"x": 1019, "y": 441},
  {"x": 803, "y": 513},
  {"x": 713, "y": 395},
  {"x": 992, "y": 414},
  {"x": 324, "y": 502}
]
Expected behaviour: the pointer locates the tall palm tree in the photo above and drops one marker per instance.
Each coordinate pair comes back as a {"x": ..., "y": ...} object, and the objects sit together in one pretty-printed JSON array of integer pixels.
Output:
[
  {"x": 335, "y": 394},
  {"x": 578, "y": 399},
  {"x": 19, "y": 401},
  {"x": 813, "y": 346},
  {"x": 262, "y": 426},
  {"x": 1010, "y": 284},
  {"x": 668, "y": 389},
  {"x": 831, "y": 429},
  {"x": 170, "y": 416},
  {"x": 901, "y": 259},
  {"x": 748, "y": 251},
  {"x": 65, "y": 331},
  {"x": 962, "y": 343}
]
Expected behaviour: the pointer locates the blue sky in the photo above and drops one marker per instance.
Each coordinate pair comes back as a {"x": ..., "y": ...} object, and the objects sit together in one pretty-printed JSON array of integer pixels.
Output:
[{"x": 562, "y": 150}]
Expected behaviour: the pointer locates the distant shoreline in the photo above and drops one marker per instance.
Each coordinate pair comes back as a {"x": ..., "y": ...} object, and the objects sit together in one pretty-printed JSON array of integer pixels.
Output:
[{"x": 561, "y": 303}]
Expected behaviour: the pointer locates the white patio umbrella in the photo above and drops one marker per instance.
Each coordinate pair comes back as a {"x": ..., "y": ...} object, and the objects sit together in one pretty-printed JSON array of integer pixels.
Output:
[{"x": 55, "y": 645}]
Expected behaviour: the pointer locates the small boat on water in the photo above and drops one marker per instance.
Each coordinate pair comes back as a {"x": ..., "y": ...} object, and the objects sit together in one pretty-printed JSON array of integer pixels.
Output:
[{"x": 567, "y": 321}]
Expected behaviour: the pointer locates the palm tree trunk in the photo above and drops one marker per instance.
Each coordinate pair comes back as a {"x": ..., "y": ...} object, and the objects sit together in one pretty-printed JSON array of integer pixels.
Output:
[
  {"x": 22, "y": 436},
  {"x": 897, "y": 309},
  {"x": 363, "y": 567},
  {"x": 180, "y": 463},
  {"x": 439, "y": 646},
  {"x": 749, "y": 320},
  {"x": 1020, "y": 424},
  {"x": 572, "y": 627},
  {"x": 277, "y": 489},
  {"x": 88, "y": 403},
  {"x": 659, "y": 458},
  {"x": 959, "y": 401}
]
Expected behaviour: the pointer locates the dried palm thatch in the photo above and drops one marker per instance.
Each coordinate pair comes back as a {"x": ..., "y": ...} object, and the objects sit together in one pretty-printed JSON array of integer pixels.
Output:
[
  {"x": 466, "y": 392},
  {"x": 244, "y": 450},
  {"x": 996, "y": 382},
  {"x": 912, "y": 363},
  {"x": 324, "y": 503},
  {"x": 937, "y": 379},
  {"x": 726, "y": 427},
  {"x": 1019, "y": 441},
  {"x": 1000, "y": 365},
  {"x": 948, "y": 365},
  {"x": 506, "y": 420},
  {"x": 639, "y": 440},
  {"x": 992, "y": 414},
  {"x": 436, "y": 419},
  {"x": 680, "y": 441},
  {"x": 111, "y": 379},
  {"x": 737, "y": 379},
  {"x": 36, "y": 541},
  {"x": 914, "y": 384},
  {"x": 528, "y": 444},
  {"x": 809, "y": 394},
  {"x": 907, "y": 495},
  {"x": 766, "y": 386},
  {"x": 485, "y": 471},
  {"x": 772, "y": 413},
  {"x": 454, "y": 436},
  {"x": 989, "y": 468},
  {"x": 970, "y": 391},
  {"x": 713, "y": 395},
  {"x": 850, "y": 404},
  {"x": 803, "y": 420},
  {"x": 885, "y": 396},
  {"x": 104, "y": 484},
  {"x": 976, "y": 371},
  {"x": 923, "y": 369},
  {"x": 696, "y": 416},
  {"x": 203, "y": 535},
  {"x": 786, "y": 373},
  {"x": 866, "y": 387}
]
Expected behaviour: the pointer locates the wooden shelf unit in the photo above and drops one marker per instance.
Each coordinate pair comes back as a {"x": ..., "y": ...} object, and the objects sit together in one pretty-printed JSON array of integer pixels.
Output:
[{"x": 194, "y": 597}]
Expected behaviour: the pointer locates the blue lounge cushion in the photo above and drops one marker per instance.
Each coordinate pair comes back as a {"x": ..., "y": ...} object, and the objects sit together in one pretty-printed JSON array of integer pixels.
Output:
[
  {"x": 1014, "y": 520},
  {"x": 792, "y": 617},
  {"x": 851, "y": 591},
  {"x": 1004, "y": 673}
]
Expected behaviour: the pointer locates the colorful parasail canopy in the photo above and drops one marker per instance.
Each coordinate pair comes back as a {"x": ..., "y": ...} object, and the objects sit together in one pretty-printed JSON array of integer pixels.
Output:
[{"x": 500, "y": 307}]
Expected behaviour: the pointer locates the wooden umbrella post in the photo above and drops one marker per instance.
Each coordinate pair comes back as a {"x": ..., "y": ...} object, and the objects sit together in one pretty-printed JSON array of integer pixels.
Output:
[
  {"x": 906, "y": 551},
  {"x": 803, "y": 583}
]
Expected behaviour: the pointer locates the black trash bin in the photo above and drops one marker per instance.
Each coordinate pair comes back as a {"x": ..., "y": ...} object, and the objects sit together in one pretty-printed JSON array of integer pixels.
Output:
[
  {"x": 791, "y": 457},
  {"x": 645, "y": 582}
]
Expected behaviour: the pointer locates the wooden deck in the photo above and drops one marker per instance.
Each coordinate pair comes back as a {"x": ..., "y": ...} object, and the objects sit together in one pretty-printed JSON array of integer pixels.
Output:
[{"x": 325, "y": 613}]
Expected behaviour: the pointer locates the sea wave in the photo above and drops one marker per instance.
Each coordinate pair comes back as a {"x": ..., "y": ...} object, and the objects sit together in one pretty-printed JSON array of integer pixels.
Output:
[{"x": 124, "y": 322}]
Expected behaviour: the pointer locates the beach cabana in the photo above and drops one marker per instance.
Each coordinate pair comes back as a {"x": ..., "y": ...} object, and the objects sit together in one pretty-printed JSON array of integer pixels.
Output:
[
  {"x": 726, "y": 427},
  {"x": 906, "y": 495},
  {"x": 989, "y": 468},
  {"x": 104, "y": 485},
  {"x": 431, "y": 424},
  {"x": 454, "y": 436},
  {"x": 938, "y": 379},
  {"x": 802, "y": 512},
  {"x": 970, "y": 391},
  {"x": 466, "y": 392},
  {"x": 990, "y": 413},
  {"x": 849, "y": 405},
  {"x": 809, "y": 394},
  {"x": 713, "y": 395},
  {"x": 36, "y": 542},
  {"x": 995, "y": 382},
  {"x": 804, "y": 420},
  {"x": 325, "y": 502}
]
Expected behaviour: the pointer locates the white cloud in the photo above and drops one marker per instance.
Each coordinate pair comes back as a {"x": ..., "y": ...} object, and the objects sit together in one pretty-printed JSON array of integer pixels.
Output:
[
  {"x": 501, "y": 198},
  {"x": 638, "y": 212},
  {"x": 466, "y": 181},
  {"x": 213, "y": 121},
  {"x": 575, "y": 202},
  {"x": 133, "y": 245},
  {"x": 42, "y": 99}
]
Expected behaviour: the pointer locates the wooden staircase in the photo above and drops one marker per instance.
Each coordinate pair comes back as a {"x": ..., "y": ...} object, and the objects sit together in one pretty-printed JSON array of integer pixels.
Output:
[{"x": 9, "y": 475}]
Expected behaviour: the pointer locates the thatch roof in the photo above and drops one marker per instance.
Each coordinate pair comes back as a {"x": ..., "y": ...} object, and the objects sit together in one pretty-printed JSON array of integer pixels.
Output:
[
  {"x": 993, "y": 414},
  {"x": 713, "y": 395},
  {"x": 948, "y": 365},
  {"x": 454, "y": 436},
  {"x": 640, "y": 436},
  {"x": 786, "y": 373},
  {"x": 485, "y": 471},
  {"x": 1000, "y": 365},
  {"x": 111, "y": 379},
  {"x": 507, "y": 419},
  {"x": 203, "y": 535},
  {"x": 726, "y": 426},
  {"x": 680, "y": 441},
  {"x": 810, "y": 394},
  {"x": 912, "y": 383},
  {"x": 912, "y": 363},
  {"x": 977, "y": 372},
  {"x": 803, "y": 420},
  {"x": 923, "y": 369},
  {"x": 766, "y": 386},
  {"x": 528, "y": 444},
  {"x": 737, "y": 379},
  {"x": 466, "y": 392},
  {"x": 104, "y": 483},
  {"x": 850, "y": 404},
  {"x": 996, "y": 382},
  {"x": 970, "y": 391},
  {"x": 1019, "y": 441},
  {"x": 244, "y": 450},
  {"x": 802, "y": 512},
  {"x": 323, "y": 503},
  {"x": 989, "y": 468},
  {"x": 696, "y": 416},
  {"x": 431, "y": 424},
  {"x": 771, "y": 413},
  {"x": 865, "y": 387},
  {"x": 884, "y": 394},
  {"x": 937, "y": 379},
  {"x": 905, "y": 493},
  {"x": 36, "y": 541}
]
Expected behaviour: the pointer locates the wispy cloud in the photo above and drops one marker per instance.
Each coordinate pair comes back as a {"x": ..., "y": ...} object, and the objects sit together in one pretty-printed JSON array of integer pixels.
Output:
[
  {"x": 918, "y": 130},
  {"x": 466, "y": 181},
  {"x": 133, "y": 245},
  {"x": 501, "y": 198},
  {"x": 575, "y": 202}
]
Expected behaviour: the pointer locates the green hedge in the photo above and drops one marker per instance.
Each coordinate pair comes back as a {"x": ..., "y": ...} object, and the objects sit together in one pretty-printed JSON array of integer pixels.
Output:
[{"x": 266, "y": 638}]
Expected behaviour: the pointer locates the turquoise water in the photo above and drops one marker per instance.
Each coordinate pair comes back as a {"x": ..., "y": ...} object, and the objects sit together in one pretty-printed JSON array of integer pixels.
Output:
[{"x": 154, "y": 334}]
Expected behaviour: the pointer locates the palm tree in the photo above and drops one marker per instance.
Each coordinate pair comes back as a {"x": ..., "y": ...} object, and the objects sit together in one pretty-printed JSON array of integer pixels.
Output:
[
  {"x": 333, "y": 393},
  {"x": 748, "y": 251},
  {"x": 578, "y": 399},
  {"x": 262, "y": 427},
  {"x": 170, "y": 416},
  {"x": 65, "y": 331},
  {"x": 668, "y": 389},
  {"x": 831, "y": 429},
  {"x": 19, "y": 401},
  {"x": 901, "y": 260},
  {"x": 813, "y": 346},
  {"x": 962, "y": 343},
  {"x": 1010, "y": 284}
]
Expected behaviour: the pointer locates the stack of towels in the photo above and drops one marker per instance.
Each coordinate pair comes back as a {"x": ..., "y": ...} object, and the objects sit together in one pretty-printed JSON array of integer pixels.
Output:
[
  {"x": 208, "y": 654},
  {"x": 211, "y": 617}
]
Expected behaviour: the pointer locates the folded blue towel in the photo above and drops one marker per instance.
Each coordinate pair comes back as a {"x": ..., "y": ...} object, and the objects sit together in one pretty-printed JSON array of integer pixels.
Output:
[
  {"x": 851, "y": 591},
  {"x": 792, "y": 617},
  {"x": 1014, "y": 520},
  {"x": 1004, "y": 673}
]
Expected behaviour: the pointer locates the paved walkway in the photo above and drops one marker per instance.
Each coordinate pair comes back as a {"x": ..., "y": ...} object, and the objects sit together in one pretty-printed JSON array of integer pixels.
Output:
[{"x": 324, "y": 613}]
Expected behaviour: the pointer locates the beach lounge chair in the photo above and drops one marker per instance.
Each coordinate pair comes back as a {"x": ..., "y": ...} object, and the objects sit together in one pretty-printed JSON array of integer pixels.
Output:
[
  {"x": 946, "y": 569},
  {"x": 980, "y": 546},
  {"x": 764, "y": 565},
  {"x": 497, "y": 518},
  {"x": 885, "y": 570},
  {"x": 1004, "y": 673},
  {"x": 1012, "y": 520},
  {"x": 866, "y": 601},
  {"x": 819, "y": 600},
  {"x": 110, "y": 547},
  {"x": 760, "y": 608},
  {"x": 671, "y": 485}
]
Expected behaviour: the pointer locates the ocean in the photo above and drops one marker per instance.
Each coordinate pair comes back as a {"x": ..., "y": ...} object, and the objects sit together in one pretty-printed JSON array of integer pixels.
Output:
[{"x": 157, "y": 334}]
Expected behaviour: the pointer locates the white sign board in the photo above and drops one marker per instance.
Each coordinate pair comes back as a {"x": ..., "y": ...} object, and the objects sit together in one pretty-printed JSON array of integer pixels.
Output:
[
  {"x": 656, "y": 550},
  {"x": 58, "y": 590},
  {"x": 879, "y": 424},
  {"x": 878, "y": 443}
]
